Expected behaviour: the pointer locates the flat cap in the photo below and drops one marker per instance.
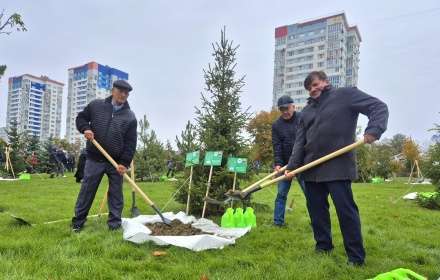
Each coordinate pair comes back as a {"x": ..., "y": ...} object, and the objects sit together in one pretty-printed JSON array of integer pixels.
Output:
[
  {"x": 284, "y": 101},
  {"x": 122, "y": 85}
]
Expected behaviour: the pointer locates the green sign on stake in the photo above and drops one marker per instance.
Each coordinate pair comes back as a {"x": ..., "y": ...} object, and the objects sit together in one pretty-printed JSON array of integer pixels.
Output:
[
  {"x": 213, "y": 158},
  {"x": 238, "y": 165},
  {"x": 192, "y": 158}
]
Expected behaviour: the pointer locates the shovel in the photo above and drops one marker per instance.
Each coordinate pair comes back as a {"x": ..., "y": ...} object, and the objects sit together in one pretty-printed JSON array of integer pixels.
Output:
[
  {"x": 20, "y": 221},
  {"x": 134, "y": 210},
  {"x": 244, "y": 194},
  {"x": 229, "y": 199},
  {"x": 133, "y": 184}
]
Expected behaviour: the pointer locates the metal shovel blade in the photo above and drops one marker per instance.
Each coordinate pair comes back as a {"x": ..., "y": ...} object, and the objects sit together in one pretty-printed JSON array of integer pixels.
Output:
[
  {"x": 135, "y": 211},
  {"x": 20, "y": 221},
  {"x": 164, "y": 220},
  {"x": 222, "y": 202}
]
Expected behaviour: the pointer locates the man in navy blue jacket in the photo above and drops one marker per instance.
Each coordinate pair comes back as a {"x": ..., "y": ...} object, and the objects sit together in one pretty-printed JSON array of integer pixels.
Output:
[
  {"x": 283, "y": 138},
  {"x": 112, "y": 123},
  {"x": 328, "y": 123}
]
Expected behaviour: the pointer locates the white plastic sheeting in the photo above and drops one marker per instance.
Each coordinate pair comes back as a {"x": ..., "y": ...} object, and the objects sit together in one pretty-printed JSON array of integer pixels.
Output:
[
  {"x": 135, "y": 231},
  {"x": 410, "y": 196}
]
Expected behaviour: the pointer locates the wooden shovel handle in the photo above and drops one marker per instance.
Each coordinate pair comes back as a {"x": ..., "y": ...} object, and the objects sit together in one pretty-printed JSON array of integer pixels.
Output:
[
  {"x": 265, "y": 178},
  {"x": 134, "y": 186},
  {"x": 317, "y": 162}
]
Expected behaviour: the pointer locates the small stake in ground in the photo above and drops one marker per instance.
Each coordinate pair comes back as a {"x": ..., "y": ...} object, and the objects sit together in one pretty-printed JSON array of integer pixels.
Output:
[
  {"x": 191, "y": 160},
  {"x": 211, "y": 159},
  {"x": 8, "y": 163}
]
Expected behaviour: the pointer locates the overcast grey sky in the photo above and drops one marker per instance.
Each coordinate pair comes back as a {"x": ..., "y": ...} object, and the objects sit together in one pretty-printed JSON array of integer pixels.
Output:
[{"x": 164, "y": 45}]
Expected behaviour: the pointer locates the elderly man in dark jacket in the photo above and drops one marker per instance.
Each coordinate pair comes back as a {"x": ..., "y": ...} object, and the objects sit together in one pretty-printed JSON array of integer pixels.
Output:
[
  {"x": 111, "y": 122},
  {"x": 283, "y": 138},
  {"x": 328, "y": 123}
]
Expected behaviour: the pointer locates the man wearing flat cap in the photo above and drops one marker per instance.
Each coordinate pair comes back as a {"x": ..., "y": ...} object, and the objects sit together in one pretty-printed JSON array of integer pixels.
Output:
[
  {"x": 111, "y": 122},
  {"x": 283, "y": 138}
]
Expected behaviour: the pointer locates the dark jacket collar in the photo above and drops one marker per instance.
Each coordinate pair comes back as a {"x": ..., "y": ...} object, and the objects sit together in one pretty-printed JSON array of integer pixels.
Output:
[
  {"x": 109, "y": 100},
  {"x": 291, "y": 119},
  {"x": 325, "y": 92}
]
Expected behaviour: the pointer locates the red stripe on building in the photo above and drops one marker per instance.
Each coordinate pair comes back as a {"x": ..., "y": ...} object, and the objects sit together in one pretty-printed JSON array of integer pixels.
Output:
[
  {"x": 92, "y": 65},
  {"x": 280, "y": 31}
]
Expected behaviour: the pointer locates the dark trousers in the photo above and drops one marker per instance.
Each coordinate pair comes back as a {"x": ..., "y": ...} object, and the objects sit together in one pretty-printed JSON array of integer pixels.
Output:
[
  {"x": 348, "y": 215},
  {"x": 170, "y": 172},
  {"x": 93, "y": 173}
]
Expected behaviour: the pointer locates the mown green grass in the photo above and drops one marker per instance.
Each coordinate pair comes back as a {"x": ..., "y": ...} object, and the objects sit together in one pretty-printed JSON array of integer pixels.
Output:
[{"x": 397, "y": 233}]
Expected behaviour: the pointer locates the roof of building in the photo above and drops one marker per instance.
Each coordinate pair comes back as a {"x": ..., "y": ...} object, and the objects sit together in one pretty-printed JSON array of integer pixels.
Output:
[
  {"x": 312, "y": 21},
  {"x": 41, "y": 78}
]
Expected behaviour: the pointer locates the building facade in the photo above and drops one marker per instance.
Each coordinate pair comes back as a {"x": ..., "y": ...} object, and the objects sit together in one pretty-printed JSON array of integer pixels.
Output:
[
  {"x": 35, "y": 105},
  {"x": 328, "y": 44},
  {"x": 86, "y": 83}
]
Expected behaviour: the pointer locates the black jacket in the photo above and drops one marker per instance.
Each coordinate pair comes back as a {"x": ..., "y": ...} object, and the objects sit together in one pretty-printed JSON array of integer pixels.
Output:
[
  {"x": 283, "y": 138},
  {"x": 328, "y": 123},
  {"x": 116, "y": 132}
]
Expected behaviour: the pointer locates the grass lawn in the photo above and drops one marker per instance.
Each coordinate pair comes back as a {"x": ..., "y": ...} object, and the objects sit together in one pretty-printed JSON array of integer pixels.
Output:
[{"x": 397, "y": 233}]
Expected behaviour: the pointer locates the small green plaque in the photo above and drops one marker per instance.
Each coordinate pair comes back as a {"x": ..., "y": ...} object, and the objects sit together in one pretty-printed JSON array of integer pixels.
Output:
[
  {"x": 238, "y": 165},
  {"x": 213, "y": 158},
  {"x": 192, "y": 158}
]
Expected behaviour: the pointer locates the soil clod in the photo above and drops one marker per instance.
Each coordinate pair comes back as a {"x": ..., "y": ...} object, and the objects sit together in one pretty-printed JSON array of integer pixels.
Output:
[{"x": 177, "y": 228}]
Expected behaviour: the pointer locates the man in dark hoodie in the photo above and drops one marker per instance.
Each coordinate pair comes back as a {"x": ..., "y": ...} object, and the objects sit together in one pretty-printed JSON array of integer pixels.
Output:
[
  {"x": 283, "y": 138},
  {"x": 111, "y": 122},
  {"x": 328, "y": 123}
]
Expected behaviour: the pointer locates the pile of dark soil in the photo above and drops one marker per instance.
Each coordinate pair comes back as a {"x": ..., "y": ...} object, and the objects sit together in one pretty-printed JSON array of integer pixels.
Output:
[{"x": 177, "y": 228}]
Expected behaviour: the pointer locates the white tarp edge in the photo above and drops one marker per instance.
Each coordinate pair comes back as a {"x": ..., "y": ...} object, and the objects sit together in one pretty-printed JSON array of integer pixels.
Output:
[
  {"x": 135, "y": 231},
  {"x": 410, "y": 196}
]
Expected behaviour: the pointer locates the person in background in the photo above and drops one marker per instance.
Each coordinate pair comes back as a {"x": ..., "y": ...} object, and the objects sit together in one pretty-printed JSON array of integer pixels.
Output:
[
  {"x": 284, "y": 131},
  {"x": 170, "y": 166},
  {"x": 79, "y": 174}
]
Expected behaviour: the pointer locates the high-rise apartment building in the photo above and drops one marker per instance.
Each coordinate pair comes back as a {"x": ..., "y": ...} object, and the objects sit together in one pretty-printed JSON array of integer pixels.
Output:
[
  {"x": 326, "y": 43},
  {"x": 35, "y": 104},
  {"x": 86, "y": 83}
]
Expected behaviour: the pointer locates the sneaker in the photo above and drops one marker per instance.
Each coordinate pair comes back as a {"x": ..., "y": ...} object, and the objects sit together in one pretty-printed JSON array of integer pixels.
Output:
[
  {"x": 64, "y": 176},
  {"x": 114, "y": 228},
  {"x": 323, "y": 251},
  {"x": 280, "y": 225},
  {"x": 355, "y": 264},
  {"x": 76, "y": 229}
]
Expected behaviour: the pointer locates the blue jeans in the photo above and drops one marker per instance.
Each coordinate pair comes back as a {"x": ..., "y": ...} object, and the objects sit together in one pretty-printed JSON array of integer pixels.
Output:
[{"x": 280, "y": 201}]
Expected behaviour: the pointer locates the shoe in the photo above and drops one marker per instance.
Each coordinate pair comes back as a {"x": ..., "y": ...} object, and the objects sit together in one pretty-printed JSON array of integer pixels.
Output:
[
  {"x": 114, "y": 228},
  {"x": 280, "y": 225},
  {"x": 356, "y": 264},
  {"x": 64, "y": 176},
  {"x": 323, "y": 251},
  {"x": 76, "y": 229}
]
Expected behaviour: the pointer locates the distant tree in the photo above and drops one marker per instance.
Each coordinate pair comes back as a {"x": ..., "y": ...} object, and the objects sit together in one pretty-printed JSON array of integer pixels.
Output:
[
  {"x": 397, "y": 143},
  {"x": 17, "y": 143},
  {"x": 260, "y": 129},
  {"x": 150, "y": 156},
  {"x": 8, "y": 24},
  {"x": 364, "y": 163},
  {"x": 45, "y": 165},
  {"x": 188, "y": 140},
  {"x": 381, "y": 155}
]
